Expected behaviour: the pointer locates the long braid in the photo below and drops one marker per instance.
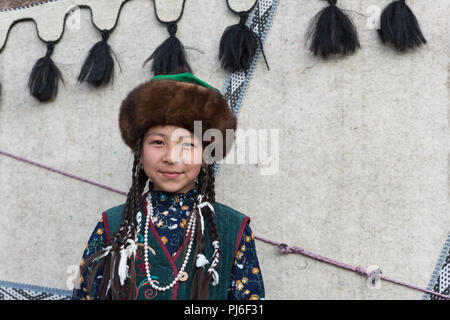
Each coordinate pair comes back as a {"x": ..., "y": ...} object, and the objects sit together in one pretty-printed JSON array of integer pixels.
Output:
[
  {"x": 109, "y": 258},
  {"x": 211, "y": 194},
  {"x": 202, "y": 276},
  {"x": 198, "y": 290}
]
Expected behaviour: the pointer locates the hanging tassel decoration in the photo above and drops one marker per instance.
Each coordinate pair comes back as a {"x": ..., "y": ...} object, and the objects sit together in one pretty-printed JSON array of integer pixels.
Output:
[
  {"x": 44, "y": 77},
  {"x": 169, "y": 57},
  {"x": 399, "y": 27},
  {"x": 239, "y": 44},
  {"x": 332, "y": 32},
  {"x": 98, "y": 68}
]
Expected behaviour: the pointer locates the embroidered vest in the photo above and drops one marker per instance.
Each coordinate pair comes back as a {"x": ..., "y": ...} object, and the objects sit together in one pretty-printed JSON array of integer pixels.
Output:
[{"x": 164, "y": 268}]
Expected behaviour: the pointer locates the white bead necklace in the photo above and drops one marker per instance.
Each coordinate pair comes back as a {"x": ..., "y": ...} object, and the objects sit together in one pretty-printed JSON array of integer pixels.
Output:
[{"x": 190, "y": 230}]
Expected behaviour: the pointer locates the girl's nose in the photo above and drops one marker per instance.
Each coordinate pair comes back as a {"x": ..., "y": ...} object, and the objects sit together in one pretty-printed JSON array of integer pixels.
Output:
[{"x": 172, "y": 154}]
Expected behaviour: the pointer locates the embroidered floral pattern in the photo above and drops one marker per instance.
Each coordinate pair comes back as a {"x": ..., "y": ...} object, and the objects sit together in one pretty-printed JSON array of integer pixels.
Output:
[
  {"x": 170, "y": 216},
  {"x": 97, "y": 242},
  {"x": 246, "y": 278}
]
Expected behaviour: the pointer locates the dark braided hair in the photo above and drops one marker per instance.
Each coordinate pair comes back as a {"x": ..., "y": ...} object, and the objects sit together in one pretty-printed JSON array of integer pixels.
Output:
[
  {"x": 110, "y": 261},
  {"x": 202, "y": 277},
  {"x": 110, "y": 286}
]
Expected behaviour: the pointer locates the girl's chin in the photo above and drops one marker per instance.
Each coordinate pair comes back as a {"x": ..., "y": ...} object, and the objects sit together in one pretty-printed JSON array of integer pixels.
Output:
[{"x": 172, "y": 187}]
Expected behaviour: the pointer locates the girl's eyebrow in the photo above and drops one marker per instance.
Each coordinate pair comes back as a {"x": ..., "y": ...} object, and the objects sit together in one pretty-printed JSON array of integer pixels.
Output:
[
  {"x": 163, "y": 135},
  {"x": 156, "y": 134}
]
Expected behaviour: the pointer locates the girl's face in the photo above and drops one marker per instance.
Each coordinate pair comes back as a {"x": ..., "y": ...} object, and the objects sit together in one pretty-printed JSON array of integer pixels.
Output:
[{"x": 172, "y": 158}]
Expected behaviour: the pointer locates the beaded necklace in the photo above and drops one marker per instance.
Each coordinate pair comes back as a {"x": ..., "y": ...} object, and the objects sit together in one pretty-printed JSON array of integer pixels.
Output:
[{"x": 190, "y": 231}]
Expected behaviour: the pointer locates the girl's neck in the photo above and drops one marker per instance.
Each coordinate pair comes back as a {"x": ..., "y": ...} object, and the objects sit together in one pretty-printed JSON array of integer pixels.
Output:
[{"x": 183, "y": 190}]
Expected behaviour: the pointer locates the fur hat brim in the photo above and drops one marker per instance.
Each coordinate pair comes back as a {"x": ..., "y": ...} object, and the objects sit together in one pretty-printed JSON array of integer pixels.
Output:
[{"x": 170, "y": 102}]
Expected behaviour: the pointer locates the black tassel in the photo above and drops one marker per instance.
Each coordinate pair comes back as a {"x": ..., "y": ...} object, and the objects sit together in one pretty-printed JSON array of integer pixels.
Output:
[
  {"x": 238, "y": 46},
  {"x": 399, "y": 27},
  {"x": 98, "y": 68},
  {"x": 332, "y": 32},
  {"x": 44, "y": 77},
  {"x": 169, "y": 57}
]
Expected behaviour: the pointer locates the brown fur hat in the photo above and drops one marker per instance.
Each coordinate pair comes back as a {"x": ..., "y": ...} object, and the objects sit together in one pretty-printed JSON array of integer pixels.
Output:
[{"x": 175, "y": 102}]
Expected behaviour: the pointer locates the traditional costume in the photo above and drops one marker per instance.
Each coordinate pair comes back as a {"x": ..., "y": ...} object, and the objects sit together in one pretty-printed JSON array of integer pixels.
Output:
[{"x": 160, "y": 238}]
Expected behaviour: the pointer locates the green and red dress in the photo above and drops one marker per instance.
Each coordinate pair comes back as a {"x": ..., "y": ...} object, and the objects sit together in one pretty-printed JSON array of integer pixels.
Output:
[{"x": 239, "y": 272}]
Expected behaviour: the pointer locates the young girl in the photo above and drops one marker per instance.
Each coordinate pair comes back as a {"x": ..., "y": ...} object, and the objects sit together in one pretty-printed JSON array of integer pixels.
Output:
[{"x": 174, "y": 241}]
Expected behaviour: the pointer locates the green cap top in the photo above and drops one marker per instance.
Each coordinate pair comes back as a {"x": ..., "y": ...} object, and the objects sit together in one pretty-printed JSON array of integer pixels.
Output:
[{"x": 185, "y": 77}]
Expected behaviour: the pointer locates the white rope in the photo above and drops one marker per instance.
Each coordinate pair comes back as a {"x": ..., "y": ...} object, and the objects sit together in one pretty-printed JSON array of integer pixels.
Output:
[
  {"x": 215, "y": 277},
  {"x": 212, "y": 270},
  {"x": 201, "y": 261},
  {"x": 131, "y": 248},
  {"x": 123, "y": 266},
  {"x": 200, "y": 206}
]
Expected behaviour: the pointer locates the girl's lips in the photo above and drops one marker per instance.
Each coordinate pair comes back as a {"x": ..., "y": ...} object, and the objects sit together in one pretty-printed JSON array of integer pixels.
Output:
[{"x": 170, "y": 175}]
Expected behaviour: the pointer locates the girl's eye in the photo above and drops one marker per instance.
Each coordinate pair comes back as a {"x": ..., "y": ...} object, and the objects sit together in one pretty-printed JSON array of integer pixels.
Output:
[
  {"x": 188, "y": 144},
  {"x": 156, "y": 142}
]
